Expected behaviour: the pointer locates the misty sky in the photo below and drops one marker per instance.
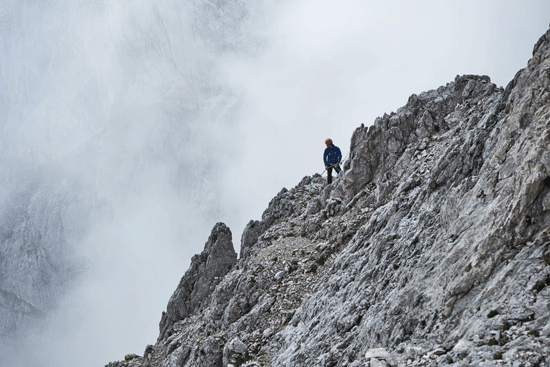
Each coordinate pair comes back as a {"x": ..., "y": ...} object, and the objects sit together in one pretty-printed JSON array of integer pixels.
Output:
[
  {"x": 334, "y": 65},
  {"x": 318, "y": 69}
]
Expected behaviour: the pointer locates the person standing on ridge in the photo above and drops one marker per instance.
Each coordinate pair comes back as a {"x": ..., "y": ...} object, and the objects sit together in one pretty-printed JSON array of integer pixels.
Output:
[{"x": 332, "y": 158}]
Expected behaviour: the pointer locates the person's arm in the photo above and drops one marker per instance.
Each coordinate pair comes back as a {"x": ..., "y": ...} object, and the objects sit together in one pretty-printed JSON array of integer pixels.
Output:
[
  {"x": 325, "y": 158},
  {"x": 339, "y": 155}
]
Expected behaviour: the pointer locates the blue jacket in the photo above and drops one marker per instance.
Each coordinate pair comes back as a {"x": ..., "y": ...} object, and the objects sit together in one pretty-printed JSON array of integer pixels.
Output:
[{"x": 332, "y": 156}]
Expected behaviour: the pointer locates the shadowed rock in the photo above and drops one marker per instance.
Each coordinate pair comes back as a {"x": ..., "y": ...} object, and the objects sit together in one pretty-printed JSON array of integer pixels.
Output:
[{"x": 252, "y": 231}]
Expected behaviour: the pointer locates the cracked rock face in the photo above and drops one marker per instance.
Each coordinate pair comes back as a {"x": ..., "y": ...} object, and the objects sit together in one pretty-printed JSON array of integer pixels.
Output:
[{"x": 431, "y": 249}]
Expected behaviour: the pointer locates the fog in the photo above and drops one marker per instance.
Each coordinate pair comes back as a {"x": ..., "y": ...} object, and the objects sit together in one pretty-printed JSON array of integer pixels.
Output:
[
  {"x": 331, "y": 66},
  {"x": 129, "y": 128}
]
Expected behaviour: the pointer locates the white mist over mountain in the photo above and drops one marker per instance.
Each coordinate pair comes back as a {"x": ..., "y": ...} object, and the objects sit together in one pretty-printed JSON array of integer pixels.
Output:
[
  {"x": 331, "y": 66},
  {"x": 130, "y": 127},
  {"x": 115, "y": 132}
]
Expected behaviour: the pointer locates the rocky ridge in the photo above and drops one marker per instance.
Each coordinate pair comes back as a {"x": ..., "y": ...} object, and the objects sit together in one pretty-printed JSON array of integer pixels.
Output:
[{"x": 431, "y": 249}]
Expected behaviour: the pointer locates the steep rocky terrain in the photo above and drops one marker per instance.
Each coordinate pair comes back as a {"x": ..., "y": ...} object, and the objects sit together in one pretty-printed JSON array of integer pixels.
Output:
[{"x": 431, "y": 249}]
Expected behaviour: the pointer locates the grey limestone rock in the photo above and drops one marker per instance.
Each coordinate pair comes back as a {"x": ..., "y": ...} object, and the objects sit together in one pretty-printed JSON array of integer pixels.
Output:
[
  {"x": 232, "y": 350},
  {"x": 177, "y": 357},
  {"x": 210, "y": 354},
  {"x": 205, "y": 272},
  {"x": 250, "y": 235}
]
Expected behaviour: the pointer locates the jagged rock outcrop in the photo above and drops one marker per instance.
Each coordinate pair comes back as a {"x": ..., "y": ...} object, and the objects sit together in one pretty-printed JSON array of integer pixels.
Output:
[
  {"x": 432, "y": 249},
  {"x": 205, "y": 272}
]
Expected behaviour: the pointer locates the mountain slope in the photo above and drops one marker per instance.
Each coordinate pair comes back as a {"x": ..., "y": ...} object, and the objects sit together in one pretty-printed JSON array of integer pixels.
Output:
[{"x": 431, "y": 249}]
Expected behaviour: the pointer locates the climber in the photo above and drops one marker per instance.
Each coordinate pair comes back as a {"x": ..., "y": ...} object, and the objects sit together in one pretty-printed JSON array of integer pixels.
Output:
[{"x": 332, "y": 158}]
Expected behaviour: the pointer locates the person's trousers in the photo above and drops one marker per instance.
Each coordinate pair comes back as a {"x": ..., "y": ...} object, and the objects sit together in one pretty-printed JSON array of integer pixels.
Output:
[{"x": 329, "y": 172}]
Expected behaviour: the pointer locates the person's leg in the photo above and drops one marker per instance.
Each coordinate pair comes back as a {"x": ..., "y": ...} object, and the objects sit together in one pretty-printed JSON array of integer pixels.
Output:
[
  {"x": 338, "y": 169},
  {"x": 329, "y": 175}
]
